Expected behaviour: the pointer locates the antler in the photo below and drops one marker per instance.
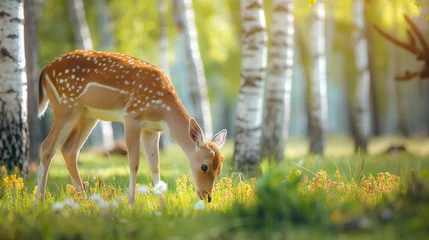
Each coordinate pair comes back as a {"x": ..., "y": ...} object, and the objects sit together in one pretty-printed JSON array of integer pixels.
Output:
[{"x": 411, "y": 45}]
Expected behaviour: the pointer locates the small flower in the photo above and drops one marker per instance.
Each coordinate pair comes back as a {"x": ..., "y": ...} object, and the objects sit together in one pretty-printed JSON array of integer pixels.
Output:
[
  {"x": 113, "y": 204},
  {"x": 199, "y": 206},
  {"x": 96, "y": 198},
  {"x": 143, "y": 189},
  {"x": 160, "y": 188},
  {"x": 70, "y": 203},
  {"x": 298, "y": 172},
  {"x": 58, "y": 206}
]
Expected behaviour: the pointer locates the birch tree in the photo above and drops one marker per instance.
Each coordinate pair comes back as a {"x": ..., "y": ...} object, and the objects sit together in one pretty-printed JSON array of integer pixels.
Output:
[
  {"x": 362, "y": 116},
  {"x": 103, "y": 130},
  {"x": 197, "y": 79},
  {"x": 32, "y": 57},
  {"x": 163, "y": 53},
  {"x": 318, "y": 99},
  {"x": 279, "y": 81},
  {"x": 13, "y": 86},
  {"x": 247, "y": 151}
]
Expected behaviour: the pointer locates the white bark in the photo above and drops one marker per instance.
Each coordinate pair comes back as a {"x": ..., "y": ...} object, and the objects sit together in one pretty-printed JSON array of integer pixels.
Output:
[
  {"x": 164, "y": 141},
  {"x": 279, "y": 81},
  {"x": 13, "y": 86},
  {"x": 84, "y": 41},
  {"x": 247, "y": 152},
  {"x": 362, "y": 98},
  {"x": 80, "y": 26},
  {"x": 197, "y": 79},
  {"x": 318, "y": 89}
]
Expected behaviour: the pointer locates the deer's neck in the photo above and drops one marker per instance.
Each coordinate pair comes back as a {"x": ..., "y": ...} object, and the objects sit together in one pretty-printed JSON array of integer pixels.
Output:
[{"x": 178, "y": 124}]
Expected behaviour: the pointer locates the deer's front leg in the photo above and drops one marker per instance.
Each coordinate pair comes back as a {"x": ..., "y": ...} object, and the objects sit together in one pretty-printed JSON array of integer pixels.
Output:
[
  {"x": 151, "y": 147},
  {"x": 132, "y": 140}
]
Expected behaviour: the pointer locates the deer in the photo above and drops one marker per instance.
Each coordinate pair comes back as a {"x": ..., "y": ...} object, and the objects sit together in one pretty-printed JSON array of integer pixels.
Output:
[{"x": 85, "y": 86}]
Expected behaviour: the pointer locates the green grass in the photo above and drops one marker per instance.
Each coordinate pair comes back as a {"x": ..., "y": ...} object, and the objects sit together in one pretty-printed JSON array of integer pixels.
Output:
[{"x": 341, "y": 195}]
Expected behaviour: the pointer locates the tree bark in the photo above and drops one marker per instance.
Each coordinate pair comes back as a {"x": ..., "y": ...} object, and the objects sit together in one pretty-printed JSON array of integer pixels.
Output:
[
  {"x": 32, "y": 67},
  {"x": 164, "y": 141},
  {"x": 279, "y": 81},
  {"x": 361, "y": 112},
  {"x": 247, "y": 151},
  {"x": 102, "y": 134},
  {"x": 374, "y": 100},
  {"x": 318, "y": 89},
  {"x": 13, "y": 87},
  {"x": 80, "y": 26},
  {"x": 197, "y": 79}
]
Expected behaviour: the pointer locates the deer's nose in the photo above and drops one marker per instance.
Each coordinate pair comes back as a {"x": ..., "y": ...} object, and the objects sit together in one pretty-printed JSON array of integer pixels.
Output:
[{"x": 209, "y": 198}]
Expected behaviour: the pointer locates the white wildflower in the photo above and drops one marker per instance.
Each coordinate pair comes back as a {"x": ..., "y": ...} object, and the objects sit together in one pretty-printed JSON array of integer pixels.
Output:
[
  {"x": 96, "y": 198},
  {"x": 70, "y": 203},
  {"x": 58, "y": 206},
  {"x": 199, "y": 206},
  {"x": 160, "y": 188},
  {"x": 143, "y": 189},
  {"x": 120, "y": 199},
  {"x": 113, "y": 204},
  {"x": 157, "y": 213}
]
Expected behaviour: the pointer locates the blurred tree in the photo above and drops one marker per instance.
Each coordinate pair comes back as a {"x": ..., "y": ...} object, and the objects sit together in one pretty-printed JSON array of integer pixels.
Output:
[
  {"x": 279, "y": 81},
  {"x": 373, "y": 98},
  {"x": 196, "y": 75},
  {"x": 103, "y": 130},
  {"x": 163, "y": 55},
  {"x": 32, "y": 67},
  {"x": 247, "y": 151},
  {"x": 13, "y": 87},
  {"x": 318, "y": 89},
  {"x": 106, "y": 33},
  {"x": 361, "y": 113}
]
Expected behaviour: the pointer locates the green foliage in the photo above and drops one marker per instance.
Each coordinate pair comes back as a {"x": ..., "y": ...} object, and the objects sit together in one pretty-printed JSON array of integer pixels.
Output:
[{"x": 291, "y": 199}]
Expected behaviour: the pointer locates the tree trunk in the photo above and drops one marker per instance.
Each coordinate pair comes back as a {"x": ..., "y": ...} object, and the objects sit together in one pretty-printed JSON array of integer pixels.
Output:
[
  {"x": 13, "y": 87},
  {"x": 32, "y": 67},
  {"x": 247, "y": 151},
  {"x": 164, "y": 141},
  {"x": 374, "y": 100},
  {"x": 197, "y": 79},
  {"x": 80, "y": 26},
  {"x": 361, "y": 113},
  {"x": 279, "y": 82},
  {"x": 102, "y": 134},
  {"x": 318, "y": 89}
]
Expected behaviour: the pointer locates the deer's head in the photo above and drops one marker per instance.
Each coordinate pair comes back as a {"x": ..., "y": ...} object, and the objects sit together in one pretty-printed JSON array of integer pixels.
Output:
[{"x": 206, "y": 161}]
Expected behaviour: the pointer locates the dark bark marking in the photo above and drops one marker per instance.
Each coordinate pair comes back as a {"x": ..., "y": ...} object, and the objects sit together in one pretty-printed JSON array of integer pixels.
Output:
[
  {"x": 4, "y": 14},
  {"x": 12, "y": 36},
  {"x": 255, "y": 5},
  {"x": 5, "y": 53}
]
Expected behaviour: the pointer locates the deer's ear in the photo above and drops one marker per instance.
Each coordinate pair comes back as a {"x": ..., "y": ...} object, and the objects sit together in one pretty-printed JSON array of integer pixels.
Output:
[
  {"x": 219, "y": 138},
  {"x": 196, "y": 133}
]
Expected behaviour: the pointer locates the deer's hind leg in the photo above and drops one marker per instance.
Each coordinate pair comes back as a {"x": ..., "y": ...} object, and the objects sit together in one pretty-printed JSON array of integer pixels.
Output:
[
  {"x": 72, "y": 145},
  {"x": 62, "y": 124}
]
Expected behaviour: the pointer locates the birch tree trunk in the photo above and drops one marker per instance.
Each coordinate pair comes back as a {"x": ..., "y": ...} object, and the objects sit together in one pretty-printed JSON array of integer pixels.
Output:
[
  {"x": 163, "y": 54},
  {"x": 13, "y": 87},
  {"x": 279, "y": 81},
  {"x": 247, "y": 151},
  {"x": 103, "y": 130},
  {"x": 32, "y": 67},
  {"x": 197, "y": 79},
  {"x": 318, "y": 98},
  {"x": 362, "y": 96}
]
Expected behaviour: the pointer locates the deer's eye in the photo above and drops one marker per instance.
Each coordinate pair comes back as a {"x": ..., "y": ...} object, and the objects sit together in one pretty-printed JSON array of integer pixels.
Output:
[{"x": 204, "y": 167}]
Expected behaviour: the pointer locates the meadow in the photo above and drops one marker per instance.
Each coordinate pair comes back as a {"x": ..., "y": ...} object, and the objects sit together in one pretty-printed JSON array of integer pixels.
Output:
[{"x": 342, "y": 195}]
